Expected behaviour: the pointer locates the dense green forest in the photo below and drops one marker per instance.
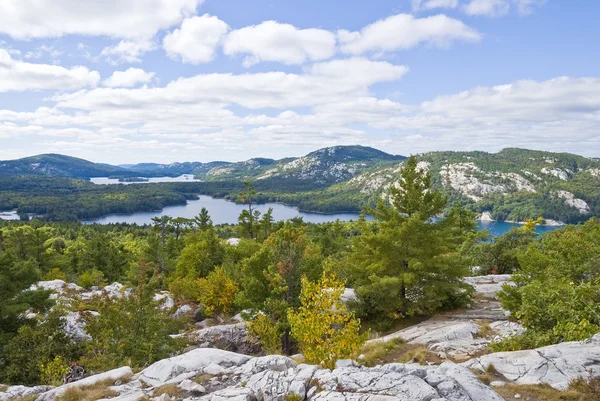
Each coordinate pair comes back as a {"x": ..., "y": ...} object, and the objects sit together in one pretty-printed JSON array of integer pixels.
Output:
[{"x": 402, "y": 265}]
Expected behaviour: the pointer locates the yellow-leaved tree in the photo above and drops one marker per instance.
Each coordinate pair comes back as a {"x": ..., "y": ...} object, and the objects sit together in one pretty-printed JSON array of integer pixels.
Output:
[
  {"x": 217, "y": 292},
  {"x": 323, "y": 326}
]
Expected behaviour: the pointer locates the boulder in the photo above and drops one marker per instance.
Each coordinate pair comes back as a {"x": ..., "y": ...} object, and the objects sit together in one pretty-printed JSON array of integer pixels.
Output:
[
  {"x": 18, "y": 392},
  {"x": 555, "y": 365},
  {"x": 198, "y": 361},
  {"x": 115, "y": 375},
  {"x": 475, "y": 389},
  {"x": 232, "y": 337}
]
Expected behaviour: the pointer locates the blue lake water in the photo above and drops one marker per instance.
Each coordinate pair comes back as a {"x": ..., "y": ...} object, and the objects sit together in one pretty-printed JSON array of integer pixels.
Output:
[
  {"x": 113, "y": 181},
  {"x": 222, "y": 212}
]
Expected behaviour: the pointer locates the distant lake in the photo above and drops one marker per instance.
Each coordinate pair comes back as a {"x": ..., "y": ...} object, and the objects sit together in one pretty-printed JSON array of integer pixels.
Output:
[
  {"x": 225, "y": 212},
  {"x": 10, "y": 215},
  {"x": 111, "y": 181}
]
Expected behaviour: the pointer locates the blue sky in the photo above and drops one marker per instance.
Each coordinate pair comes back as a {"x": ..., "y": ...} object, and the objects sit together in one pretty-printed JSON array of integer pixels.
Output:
[{"x": 123, "y": 81}]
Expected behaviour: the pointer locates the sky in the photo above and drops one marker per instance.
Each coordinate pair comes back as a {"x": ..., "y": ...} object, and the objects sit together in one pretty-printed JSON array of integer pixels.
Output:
[{"x": 129, "y": 81}]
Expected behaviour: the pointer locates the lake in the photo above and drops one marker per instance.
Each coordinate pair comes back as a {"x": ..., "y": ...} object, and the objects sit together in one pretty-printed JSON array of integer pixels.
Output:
[
  {"x": 225, "y": 212},
  {"x": 112, "y": 181}
]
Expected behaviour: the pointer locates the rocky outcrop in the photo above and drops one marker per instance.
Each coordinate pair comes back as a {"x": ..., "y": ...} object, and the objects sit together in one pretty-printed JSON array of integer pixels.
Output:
[
  {"x": 468, "y": 179},
  {"x": 227, "y": 376},
  {"x": 111, "y": 375},
  {"x": 576, "y": 203},
  {"x": 231, "y": 337},
  {"x": 555, "y": 365},
  {"x": 556, "y": 172},
  {"x": 18, "y": 392}
]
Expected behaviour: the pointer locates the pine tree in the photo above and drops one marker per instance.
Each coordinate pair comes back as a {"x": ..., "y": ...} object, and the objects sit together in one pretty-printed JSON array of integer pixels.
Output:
[{"x": 411, "y": 264}]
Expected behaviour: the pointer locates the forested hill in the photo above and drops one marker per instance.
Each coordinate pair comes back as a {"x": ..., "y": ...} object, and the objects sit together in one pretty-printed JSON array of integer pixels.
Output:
[
  {"x": 54, "y": 165},
  {"x": 513, "y": 184},
  {"x": 321, "y": 167},
  {"x": 172, "y": 169}
]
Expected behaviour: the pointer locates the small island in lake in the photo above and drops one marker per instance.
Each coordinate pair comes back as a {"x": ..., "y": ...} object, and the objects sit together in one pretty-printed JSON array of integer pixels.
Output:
[{"x": 133, "y": 179}]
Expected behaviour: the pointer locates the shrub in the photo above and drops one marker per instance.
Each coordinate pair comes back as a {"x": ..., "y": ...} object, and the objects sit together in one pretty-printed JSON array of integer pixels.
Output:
[
  {"x": 91, "y": 278},
  {"x": 52, "y": 372},
  {"x": 217, "y": 292},
  {"x": 266, "y": 332},
  {"x": 185, "y": 289},
  {"x": 324, "y": 328},
  {"x": 55, "y": 274}
]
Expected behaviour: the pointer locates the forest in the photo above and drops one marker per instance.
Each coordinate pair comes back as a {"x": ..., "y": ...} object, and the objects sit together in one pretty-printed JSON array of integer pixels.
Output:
[{"x": 285, "y": 277}]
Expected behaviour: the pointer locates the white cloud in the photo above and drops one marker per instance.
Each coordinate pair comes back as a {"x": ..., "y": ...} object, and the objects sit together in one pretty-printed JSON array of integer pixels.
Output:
[
  {"x": 274, "y": 41},
  {"x": 25, "y": 19},
  {"x": 526, "y": 7},
  {"x": 40, "y": 51},
  {"x": 327, "y": 82},
  {"x": 128, "y": 51},
  {"x": 196, "y": 40},
  {"x": 499, "y": 8},
  {"x": 403, "y": 31},
  {"x": 358, "y": 71},
  {"x": 489, "y": 8},
  {"x": 128, "y": 78},
  {"x": 20, "y": 76},
  {"x": 419, "y": 5}
]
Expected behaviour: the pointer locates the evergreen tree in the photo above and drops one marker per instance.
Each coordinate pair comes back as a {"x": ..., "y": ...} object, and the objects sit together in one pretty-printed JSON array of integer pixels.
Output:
[
  {"x": 411, "y": 264},
  {"x": 203, "y": 220}
]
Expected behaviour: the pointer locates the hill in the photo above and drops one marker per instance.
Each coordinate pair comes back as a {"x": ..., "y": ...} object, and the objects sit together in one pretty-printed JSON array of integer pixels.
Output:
[
  {"x": 172, "y": 169},
  {"x": 55, "y": 165},
  {"x": 322, "y": 167},
  {"x": 511, "y": 185}
]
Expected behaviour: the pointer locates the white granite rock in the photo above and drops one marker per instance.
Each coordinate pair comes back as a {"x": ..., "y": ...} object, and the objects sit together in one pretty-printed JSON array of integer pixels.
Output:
[
  {"x": 201, "y": 360},
  {"x": 114, "y": 374},
  {"x": 555, "y": 365}
]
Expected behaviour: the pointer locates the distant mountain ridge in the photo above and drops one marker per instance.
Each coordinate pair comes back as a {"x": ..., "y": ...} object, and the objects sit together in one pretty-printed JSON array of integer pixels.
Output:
[
  {"x": 513, "y": 184},
  {"x": 55, "y": 165}
]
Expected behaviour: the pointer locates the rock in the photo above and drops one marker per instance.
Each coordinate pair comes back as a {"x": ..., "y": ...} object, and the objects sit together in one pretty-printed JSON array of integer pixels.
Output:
[
  {"x": 555, "y": 365},
  {"x": 573, "y": 202},
  {"x": 57, "y": 286},
  {"x": 497, "y": 383},
  {"x": 486, "y": 216},
  {"x": 376, "y": 381},
  {"x": 18, "y": 392},
  {"x": 114, "y": 375},
  {"x": 192, "y": 387},
  {"x": 474, "y": 388},
  {"x": 201, "y": 360},
  {"x": 184, "y": 310},
  {"x": 233, "y": 241},
  {"x": 233, "y": 337},
  {"x": 349, "y": 295},
  {"x": 432, "y": 331},
  {"x": 165, "y": 298},
  {"x": 75, "y": 324},
  {"x": 344, "y": 363},
  {"x": 229, "y": 394},
  {"x": 557, "y": 172},
  {"x": 334, "y": 396}
]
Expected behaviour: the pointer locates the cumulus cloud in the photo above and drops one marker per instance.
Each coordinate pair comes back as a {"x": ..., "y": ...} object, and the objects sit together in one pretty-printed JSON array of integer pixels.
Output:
[
  {"x": 358, "y": 70},
  {"x": 128, "y": 78},
  {"x": 197, "y": 39},
  {"x": 499, "y": 8},
  {"x": 404, "y": 31},
  {"x": 26, "y": 19},
  {"x": 17, "y": 75},
  {"x": 128, "y": 51},
  {"x": 274, "y": 41},
  {"x": 489, "y": 8}
]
